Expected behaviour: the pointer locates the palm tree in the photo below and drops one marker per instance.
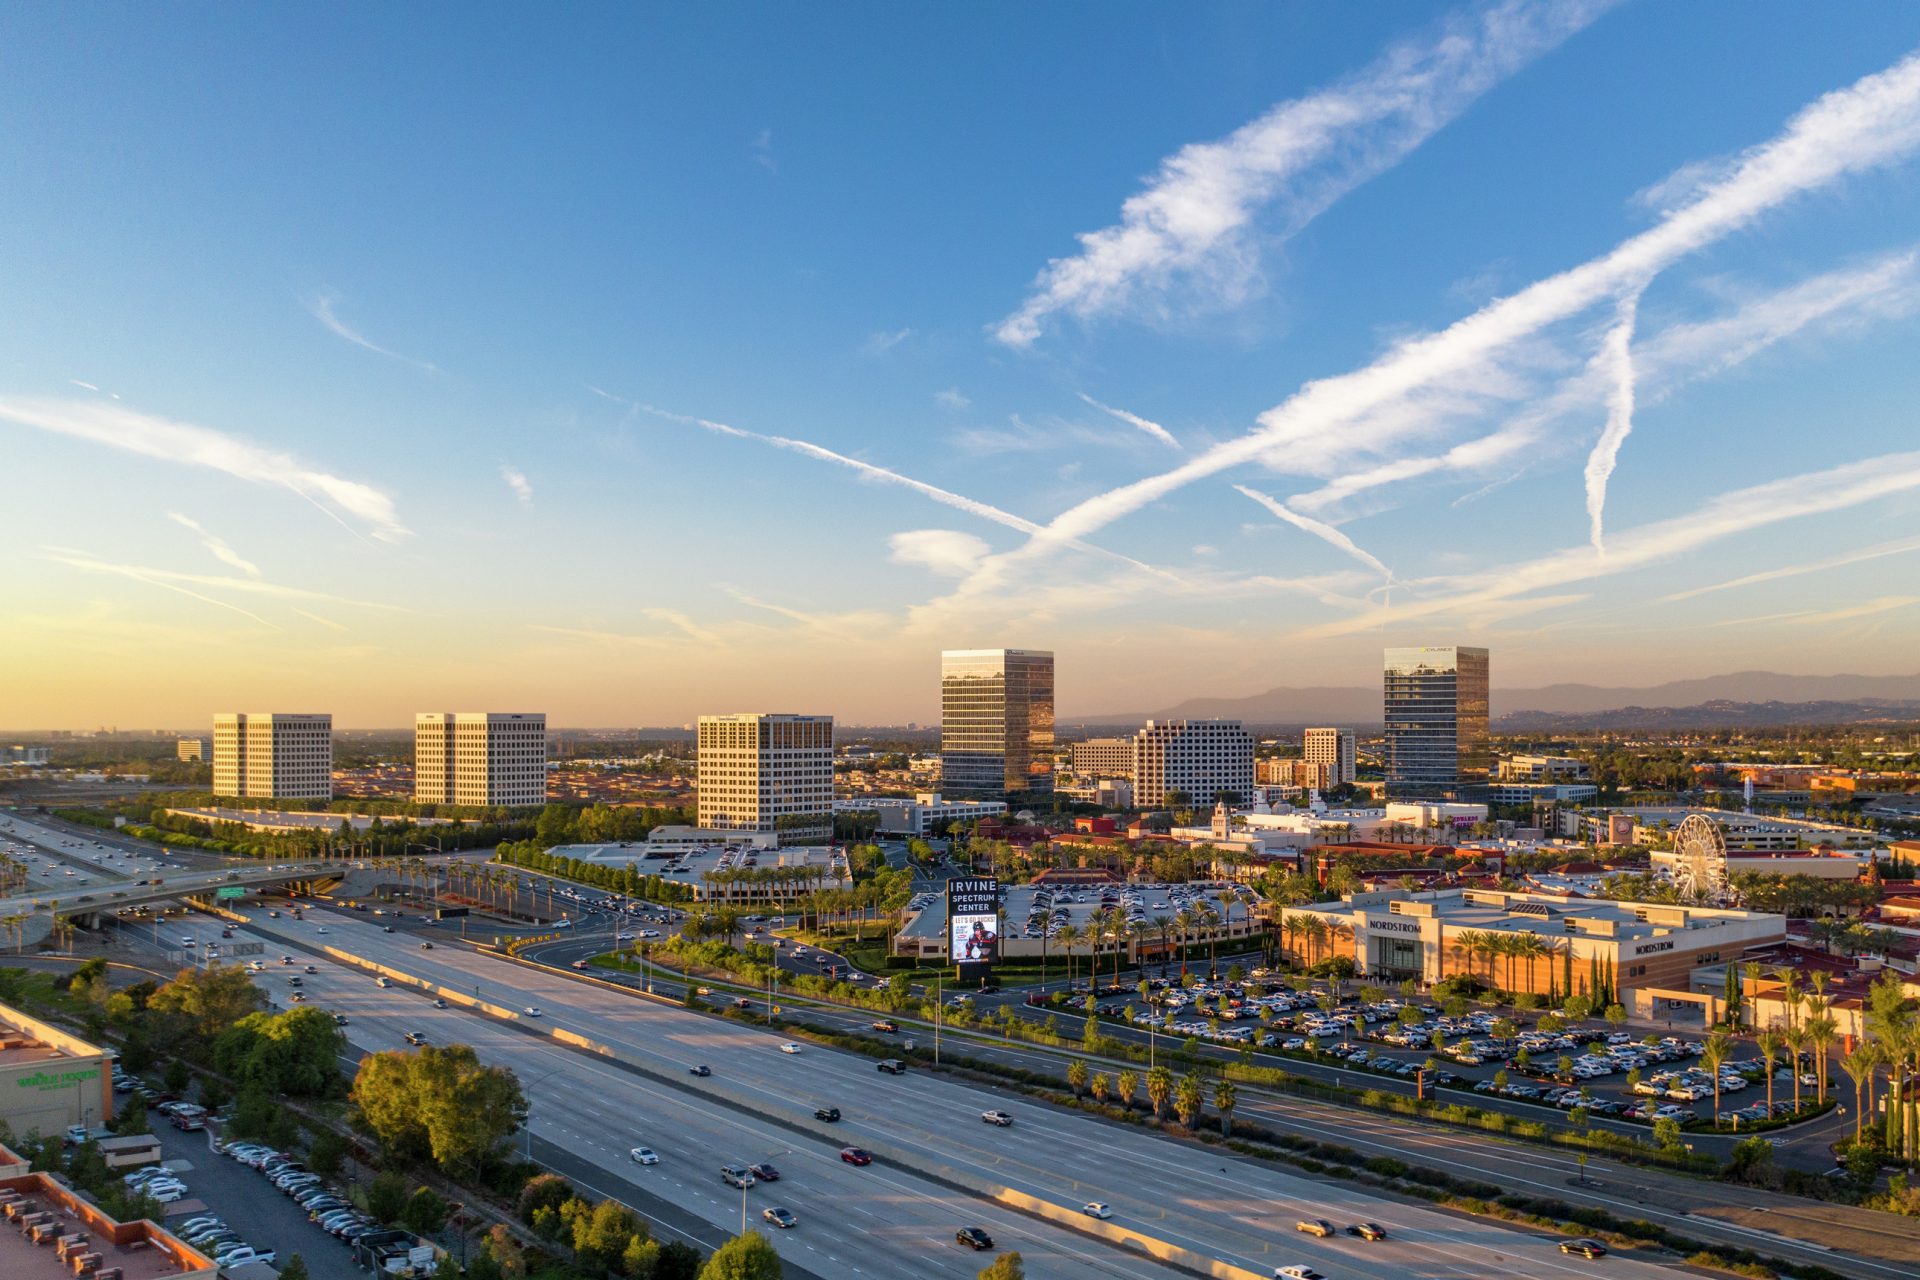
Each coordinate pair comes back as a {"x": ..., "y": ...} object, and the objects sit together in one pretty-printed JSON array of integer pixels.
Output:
[
  {"x": 1821, "y": 1028},
  {"x": 1068, "y": 934},
  {"x": 1796, "y": 1038},
  {"x": 1183, "y": 922},
  {"x": 1188, "y": 1099},
  {"x": 1159, "y": 1089},
  {"x": 1714, "y": 1052},
  {"x": 1126, "y": 1085},
  {"x": 1225, "y": 1098},
  {"x": 1859, "y": 1066},
  {"x": 1770, "y": 1043}
]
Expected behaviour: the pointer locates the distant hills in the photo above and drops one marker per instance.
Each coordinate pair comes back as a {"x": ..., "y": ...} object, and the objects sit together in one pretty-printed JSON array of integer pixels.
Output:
[{"x": 1741, "y": 698}]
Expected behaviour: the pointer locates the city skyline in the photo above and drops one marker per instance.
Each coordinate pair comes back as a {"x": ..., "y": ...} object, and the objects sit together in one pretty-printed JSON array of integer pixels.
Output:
[{"x": 1534, "y": 327}]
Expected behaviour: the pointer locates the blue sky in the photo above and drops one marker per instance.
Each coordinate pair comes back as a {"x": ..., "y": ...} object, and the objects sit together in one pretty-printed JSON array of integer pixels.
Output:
[{"x": 374, "y": 359}]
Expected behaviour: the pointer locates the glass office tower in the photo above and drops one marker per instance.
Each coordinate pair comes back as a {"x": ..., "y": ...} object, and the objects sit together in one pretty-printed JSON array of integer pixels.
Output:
[
  {"x": 1436, "y": 714},
  {"x": 996, "y": 723}
]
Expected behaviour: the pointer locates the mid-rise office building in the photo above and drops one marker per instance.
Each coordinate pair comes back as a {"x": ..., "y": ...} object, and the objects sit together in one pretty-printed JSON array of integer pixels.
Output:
[
  {"x": 1334, "y": 749},
  {"x": 1103, "y": 758},
  {"x": 480, "y": 757},
  {"x": 996, "y": 723},
  {"x": 1436, "y": 720},
  {"x": 1201, "y": 760},
  {"x": 767, "y": 772},
  {"x": 1293, "y": 773},
  {"x": 273, "y": 755},
  {"x": 194, "y": 750},
  {"x": 1542, "y": 769}
]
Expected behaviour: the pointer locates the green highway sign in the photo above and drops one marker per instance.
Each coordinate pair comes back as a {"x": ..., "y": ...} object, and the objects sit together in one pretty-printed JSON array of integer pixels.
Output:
[{"x": 231, "y": 891}]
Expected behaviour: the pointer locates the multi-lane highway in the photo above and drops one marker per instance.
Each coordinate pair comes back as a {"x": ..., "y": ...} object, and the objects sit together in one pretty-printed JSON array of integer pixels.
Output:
[{"x": 927, "y": 1132}]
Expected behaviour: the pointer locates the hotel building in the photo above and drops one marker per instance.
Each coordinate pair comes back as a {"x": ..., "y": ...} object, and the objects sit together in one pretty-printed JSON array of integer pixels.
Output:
[
  {"x": 480, "y": 758},
  {"x": 1333, "y": 748}
]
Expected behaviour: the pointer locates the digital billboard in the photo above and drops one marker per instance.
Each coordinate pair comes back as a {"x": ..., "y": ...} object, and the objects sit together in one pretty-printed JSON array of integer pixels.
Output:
[{"x": 973, "y": 924}]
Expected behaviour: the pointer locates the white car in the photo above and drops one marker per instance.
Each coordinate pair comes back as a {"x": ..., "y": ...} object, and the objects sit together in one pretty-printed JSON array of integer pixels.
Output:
[
  {"x": 645, "y": 1155},
  {"x": 533, "y": 1011},
  {"x": 1097, "y": 1209},
  {"x": 1297, "y": 1273},
  {"x": 789, "y": 1047}
]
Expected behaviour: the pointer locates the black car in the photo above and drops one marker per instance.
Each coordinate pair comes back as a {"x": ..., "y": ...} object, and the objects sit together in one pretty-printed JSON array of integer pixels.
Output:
[
  {"x": 973, "y": 1238},
  {"x": 701, "y": 1070},
  {"x": 829, "y": 1114},
  {"x": 764, "y": 1172},
  {"x": 1368, "y": 1231},
  {"x": 1588, "y": 1249}
]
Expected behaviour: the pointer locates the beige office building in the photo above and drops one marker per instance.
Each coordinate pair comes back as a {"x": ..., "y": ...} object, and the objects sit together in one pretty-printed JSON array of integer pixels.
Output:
[
  {"x": 273, "y": 755},
  {"x": 767, "y": 772},
  {"x": 1103, "y": 758},
  {"x": 490, "y": 758},
  {"x": 1334, "y": 749}
]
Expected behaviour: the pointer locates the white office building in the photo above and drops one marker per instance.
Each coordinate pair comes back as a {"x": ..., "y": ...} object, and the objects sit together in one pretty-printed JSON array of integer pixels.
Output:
[
  {"x": 1200, "y": 759},
  {"x": 1332, "y": 748},
  {"x": 480, "y": 757},
  {"x": 273, "y": 755},
  {"x": 928, "y": 813},
  {"x": 762, "y": 771}
]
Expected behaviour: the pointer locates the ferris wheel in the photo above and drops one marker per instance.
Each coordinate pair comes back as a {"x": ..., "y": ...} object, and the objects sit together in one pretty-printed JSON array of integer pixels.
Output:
[{"x": 1700, "y": 859}]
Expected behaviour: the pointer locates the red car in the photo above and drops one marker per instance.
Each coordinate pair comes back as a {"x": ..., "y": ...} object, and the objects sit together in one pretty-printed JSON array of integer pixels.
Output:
[{"x": 854, "y": 1155}]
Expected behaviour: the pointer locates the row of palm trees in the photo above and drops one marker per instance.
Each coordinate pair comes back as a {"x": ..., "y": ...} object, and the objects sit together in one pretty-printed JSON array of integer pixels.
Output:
[{"x": 1110, "y": 930}]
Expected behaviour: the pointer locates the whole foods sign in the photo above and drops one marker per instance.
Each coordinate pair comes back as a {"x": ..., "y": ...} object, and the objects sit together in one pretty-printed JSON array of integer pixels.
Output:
[{"x": 47, "y": 1081}]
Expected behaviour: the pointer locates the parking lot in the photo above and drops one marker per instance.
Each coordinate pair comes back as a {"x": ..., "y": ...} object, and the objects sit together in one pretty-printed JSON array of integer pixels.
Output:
[
  {"x": 249, "y": 1205},
  {"x": 1608, "y": 1071}
]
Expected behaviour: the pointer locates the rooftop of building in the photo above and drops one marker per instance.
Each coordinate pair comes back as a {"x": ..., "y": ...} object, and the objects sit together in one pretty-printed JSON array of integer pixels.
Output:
[
  {"x": 25, "y": 1040},
  {"x": 1499, "y": 911},
  {"x": 36, "y": 1202}
]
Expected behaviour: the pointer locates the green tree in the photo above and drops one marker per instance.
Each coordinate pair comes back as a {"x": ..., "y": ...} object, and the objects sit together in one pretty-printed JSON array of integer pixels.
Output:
[
  {"x": 1126, "y": 1085},
  {"x": 327, "y": 1153},
  {"x": 294, "y": 1268},
  {"x": 1007, "y": 1266},
  {"x": 440, "y": 1103},
  {"x": 425, "y": 1212},
  {"x": 387, "y": 1197},
  {"x": 1077, "y": 1076},
  {"x": 545, "y": 1191},
  {"x": 747, "y": 1257},
  {"x": 201, "y": 1003},
  {"x": 1159, "y": 1089},
  {"x": 1188, "y": 1099},
  {"x": 600, "y": 1237}
]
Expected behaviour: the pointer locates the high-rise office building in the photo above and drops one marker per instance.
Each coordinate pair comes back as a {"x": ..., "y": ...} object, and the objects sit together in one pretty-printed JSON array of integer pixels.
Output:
[
  {"x": 1200, "y": 760},
  {"x": 767, "y": 772},
  {"x": 273, "y": 755},
  {"x": 480, "y": 757},
  {"x": 1334, "y": 749},
  {"x": 996, "y": 723},
  {"x": 1436, "y": 716}
]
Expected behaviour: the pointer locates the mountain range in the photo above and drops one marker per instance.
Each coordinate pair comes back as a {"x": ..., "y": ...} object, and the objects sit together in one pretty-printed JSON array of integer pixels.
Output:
[{"x": 1748, "y": 698}]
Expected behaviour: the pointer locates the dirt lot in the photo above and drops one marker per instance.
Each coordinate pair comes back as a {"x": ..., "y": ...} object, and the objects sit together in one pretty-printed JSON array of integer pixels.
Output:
[{"x": 1860, "y": 1231}]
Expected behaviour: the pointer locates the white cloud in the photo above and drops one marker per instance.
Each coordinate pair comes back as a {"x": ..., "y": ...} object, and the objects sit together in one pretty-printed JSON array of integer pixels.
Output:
[
  {"x": 763, "y": 151},
  {"x": 322, "y": 307},
  {"x": 181, "y": 442},
  {"x": 943, "y": 551},
  {"x": 1868, "y": 124},
  {"x": 216, "y": 545},
  {"x": 1192, "y": 226},
  {"x": 1319, "y": 529},
  {"x": 1616, "y": 357},
  {"x": 91, "y": 563},
  {"x": 1881, "y": 551},
  {"x": 1152, "y": 428},
  {"x": 516, "y": 481},
  {"x": 952, "y": 398},
  {"x": 1663, "y": 362},
  {"x": 1732, "y": 513},
  {"x": 878, "y": 344}
]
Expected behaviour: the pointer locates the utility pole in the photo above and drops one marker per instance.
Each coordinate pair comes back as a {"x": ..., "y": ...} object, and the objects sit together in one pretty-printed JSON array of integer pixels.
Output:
[{"x": 938, "y": 1007}]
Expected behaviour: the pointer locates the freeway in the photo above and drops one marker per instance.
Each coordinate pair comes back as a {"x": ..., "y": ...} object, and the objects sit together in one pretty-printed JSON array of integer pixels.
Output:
[
  {"x": 1886, "y": 1243},
  {"x": 1206, "y": 1200}
]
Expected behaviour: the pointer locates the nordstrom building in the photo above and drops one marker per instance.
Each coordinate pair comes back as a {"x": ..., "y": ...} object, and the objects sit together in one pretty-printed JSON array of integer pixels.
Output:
[{"x": 1528, "y": 941}]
